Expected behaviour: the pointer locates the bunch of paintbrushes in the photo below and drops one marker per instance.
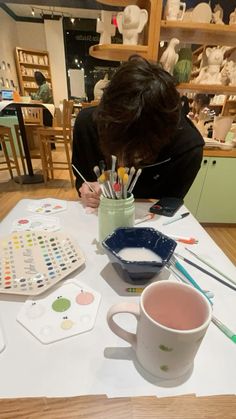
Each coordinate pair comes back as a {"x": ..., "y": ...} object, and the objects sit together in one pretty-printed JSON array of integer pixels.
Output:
[{"x": 116, "y": 184}]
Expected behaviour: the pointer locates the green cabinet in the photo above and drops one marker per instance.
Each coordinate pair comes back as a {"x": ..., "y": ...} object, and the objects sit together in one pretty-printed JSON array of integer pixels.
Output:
[{"x": 212, "y": 197}]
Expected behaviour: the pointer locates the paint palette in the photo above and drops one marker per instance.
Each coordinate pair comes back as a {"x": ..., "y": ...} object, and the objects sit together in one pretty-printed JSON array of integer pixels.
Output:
[
  {"x": 69, "y": 310},
  {"x": 47, "y": 206},
  {"x": 33, "y": 261},
  {"x": 36, "y": 222}
]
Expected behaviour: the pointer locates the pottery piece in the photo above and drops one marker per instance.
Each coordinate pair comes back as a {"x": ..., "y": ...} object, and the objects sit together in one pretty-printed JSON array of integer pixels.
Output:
[
  {"x": 174, "y": 10},
  {"x": 131, "y": 23},
  {"x": 221, "y": 127},
  {"x": 105, "y": 27},
  {"x": 202, "y": 13},
  {"x": 170, "y": 57}
]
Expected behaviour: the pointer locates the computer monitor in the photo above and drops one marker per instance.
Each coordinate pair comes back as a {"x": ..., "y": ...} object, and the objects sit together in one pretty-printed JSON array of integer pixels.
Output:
[{"x": 7, "y": 94}]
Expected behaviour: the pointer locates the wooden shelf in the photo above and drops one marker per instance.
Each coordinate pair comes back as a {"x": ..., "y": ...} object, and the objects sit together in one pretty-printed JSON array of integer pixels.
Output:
[
  {"x": 117, "y": 3},
  {"x": 207, "y": 88},
  {"x": 151, "y": 34},
  {"x": 34, "y": 65},
  {"x": 117, "y": 52},
  {"x": 198, "y": 33},
  {"x": 21, "y": 56}
]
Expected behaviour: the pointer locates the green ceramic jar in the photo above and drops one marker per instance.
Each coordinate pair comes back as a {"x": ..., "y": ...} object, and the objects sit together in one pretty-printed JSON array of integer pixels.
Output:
[{"x": 114, "y": 213}]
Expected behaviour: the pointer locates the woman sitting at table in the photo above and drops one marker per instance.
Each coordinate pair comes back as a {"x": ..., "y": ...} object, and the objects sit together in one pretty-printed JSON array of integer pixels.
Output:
[
  {"x": 44, "y": 93},
  {"x": 140, "y": 120}
]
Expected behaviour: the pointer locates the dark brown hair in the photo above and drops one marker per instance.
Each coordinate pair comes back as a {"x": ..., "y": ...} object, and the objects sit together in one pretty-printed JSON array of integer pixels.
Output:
[{"x": 139, "y": 111}]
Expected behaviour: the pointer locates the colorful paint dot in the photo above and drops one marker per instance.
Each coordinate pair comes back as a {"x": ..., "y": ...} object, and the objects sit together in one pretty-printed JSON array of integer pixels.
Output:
[
  {"x": 23, "y": 221},
  {"x": 61, "y": 304},
  {"x": 67, "y": 324},
  {"x": 84, "y": 298}
]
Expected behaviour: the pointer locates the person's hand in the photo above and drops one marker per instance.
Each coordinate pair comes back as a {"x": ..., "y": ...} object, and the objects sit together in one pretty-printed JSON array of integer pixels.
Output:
[{"x": 90, "y": 199}]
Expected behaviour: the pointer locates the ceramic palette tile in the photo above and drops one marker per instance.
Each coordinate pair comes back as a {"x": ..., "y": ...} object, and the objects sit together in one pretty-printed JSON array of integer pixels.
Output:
[
  {"x": 33, "y": 261},
  {"x": 36, "y": 222},
  {"x": 69, "y": 310},
  {"x": 2, "y": 343},
  {"x": 47, "y": 206}
]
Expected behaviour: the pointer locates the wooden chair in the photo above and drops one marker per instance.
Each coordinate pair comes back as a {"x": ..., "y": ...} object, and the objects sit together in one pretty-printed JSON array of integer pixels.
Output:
[
  {"x": 10, "y": 163},
  {"x": 33, "y": 119},
  {"x": 58, "y": 135}
]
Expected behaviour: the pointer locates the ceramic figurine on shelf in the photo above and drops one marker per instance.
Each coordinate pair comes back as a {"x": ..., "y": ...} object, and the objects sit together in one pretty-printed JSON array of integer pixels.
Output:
[
  {"x": 211, "y": 74},
  {"x": 217, "y": 15},
  {"x": 99, "y": 87},
  {"x": 170, "y": 57},
  {"x": 232, "y": 17},
  {"x": 173, "y": 10},
  {"x": 131, "y": 23},
  {"x": 228, "y": 73},
  {"x": 183, "y": 68},
  {"x": 105, "y": 27}
]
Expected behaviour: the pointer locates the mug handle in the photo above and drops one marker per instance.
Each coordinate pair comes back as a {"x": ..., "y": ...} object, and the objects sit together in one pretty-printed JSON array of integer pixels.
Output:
[
  {"x": 130, "y": 308},
  {"x": 183, "y": 11}
]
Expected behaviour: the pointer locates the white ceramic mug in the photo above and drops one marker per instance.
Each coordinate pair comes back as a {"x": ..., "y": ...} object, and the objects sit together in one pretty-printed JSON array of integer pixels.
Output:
[
  {"x": 172, "y": 319},
  {"x": 173, "y": 10}
]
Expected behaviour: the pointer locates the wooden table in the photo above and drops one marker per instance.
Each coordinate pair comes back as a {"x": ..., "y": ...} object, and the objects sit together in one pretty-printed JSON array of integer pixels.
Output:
[
  {"x": 31, "y": 177},
  {"x": 101, "y": 407}
]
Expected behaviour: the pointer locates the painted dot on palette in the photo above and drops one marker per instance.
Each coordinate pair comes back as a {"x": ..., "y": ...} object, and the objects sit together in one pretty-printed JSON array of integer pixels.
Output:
[
  {"x": 23, "y": 221},
  {"x": 35, "y": 310},
  {"x": 61, "y": 304},
  {"x": 84, "y": 298},
  {"x": 67, "y": 324}
]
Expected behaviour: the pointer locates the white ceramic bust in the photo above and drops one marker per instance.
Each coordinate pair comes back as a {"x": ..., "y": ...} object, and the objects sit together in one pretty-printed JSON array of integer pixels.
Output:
[
  {"x": 170, "y": 57},
  {"x": 131, "y": 22}
]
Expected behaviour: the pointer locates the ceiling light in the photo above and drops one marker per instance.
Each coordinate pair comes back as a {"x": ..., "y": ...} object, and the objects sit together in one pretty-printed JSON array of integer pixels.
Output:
[{"x": 72, "y": 19}]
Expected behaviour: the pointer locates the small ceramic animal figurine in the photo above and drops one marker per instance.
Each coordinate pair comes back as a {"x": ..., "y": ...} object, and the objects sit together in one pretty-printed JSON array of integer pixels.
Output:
[
  {"x": 211, "y": 74},
  {"x": 170, "y": 57},
  {"x": 105, "y": 27},
  {"x": 131, "y": 22},
  {"x": 217, "y": 15},
  {"x": 99, "y": 87}
]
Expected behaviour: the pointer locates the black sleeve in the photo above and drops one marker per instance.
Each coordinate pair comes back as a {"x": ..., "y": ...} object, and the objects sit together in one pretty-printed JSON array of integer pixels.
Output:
[
  {"x": 183, "y": 171},
  {"x": 85, "y": 153}
]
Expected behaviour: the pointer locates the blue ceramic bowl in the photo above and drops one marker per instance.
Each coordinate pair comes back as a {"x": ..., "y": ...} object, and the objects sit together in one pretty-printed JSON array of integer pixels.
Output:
[{"x": 138, "y": 272}]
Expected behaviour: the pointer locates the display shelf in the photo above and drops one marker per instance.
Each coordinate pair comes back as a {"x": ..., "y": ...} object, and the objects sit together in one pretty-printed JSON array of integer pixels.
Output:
[
  {"x": 198, "y": 33},
  {"x": 117, "y": 52},
  {"x": 151, "y": 34},
  {"x": 27, "y": 62},
  {"x": 207, "y": 88}
]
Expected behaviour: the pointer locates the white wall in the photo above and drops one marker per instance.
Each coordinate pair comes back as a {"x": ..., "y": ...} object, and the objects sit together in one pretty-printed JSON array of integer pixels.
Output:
[
  {"x": 31, "y": 35},
  {"x": 55, "y": 47},
  {"x": 8, "y": 37},
  {"x": 46, "y": 37}
]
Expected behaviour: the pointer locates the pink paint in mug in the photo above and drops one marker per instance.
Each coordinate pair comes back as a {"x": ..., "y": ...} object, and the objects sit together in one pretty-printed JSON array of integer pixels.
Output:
[{"x": 172, "y": 319}]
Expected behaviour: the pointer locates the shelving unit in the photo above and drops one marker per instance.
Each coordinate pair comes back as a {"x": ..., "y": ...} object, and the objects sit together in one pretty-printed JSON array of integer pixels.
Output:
[
  {"x": 27, "y": 62},
  {"x": 151, "y": 35},
  {"x": 158, "y": 30}
]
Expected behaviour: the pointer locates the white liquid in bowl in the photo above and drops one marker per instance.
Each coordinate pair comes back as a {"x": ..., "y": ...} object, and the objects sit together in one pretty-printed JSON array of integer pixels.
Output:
[{"x": 139, "y": 254}]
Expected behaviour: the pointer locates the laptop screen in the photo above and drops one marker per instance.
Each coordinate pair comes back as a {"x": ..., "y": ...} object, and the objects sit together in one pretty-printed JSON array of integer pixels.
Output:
[{"x": 7, "y": 94}]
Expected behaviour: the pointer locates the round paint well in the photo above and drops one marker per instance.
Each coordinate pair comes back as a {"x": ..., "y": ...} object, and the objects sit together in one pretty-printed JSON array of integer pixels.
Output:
[
  {"x": 61, "y": 304},
  {"x": 84, "y": 298}
]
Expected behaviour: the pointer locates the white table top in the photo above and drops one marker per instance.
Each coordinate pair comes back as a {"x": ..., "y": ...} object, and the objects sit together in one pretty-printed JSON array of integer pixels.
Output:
[
  {"x": 5, "y": 103},
  {"x": 98, "y": 362}
]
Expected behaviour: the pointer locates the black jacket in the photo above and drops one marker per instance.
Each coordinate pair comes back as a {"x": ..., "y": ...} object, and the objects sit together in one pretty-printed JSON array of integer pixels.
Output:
[{"x": 171, "y": 175}]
